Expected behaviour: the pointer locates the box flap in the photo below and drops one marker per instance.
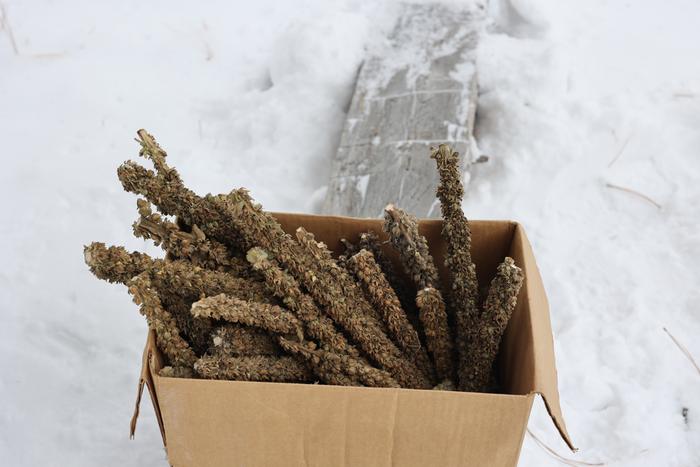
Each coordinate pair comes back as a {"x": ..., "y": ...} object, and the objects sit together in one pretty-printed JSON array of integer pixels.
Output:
[
  {"x": 150, "y": 353},
  {"x": 543, "y": 372}
]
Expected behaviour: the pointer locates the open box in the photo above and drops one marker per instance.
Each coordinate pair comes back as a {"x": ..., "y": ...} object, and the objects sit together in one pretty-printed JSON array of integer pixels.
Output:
[{"x": 224, "y": 423}]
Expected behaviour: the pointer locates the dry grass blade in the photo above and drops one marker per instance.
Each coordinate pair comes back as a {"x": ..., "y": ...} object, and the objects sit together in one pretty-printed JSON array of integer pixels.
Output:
[
  {"x": 5, "y": 26},
  {"x": 558, "y": 456},
  {"x": 683, "y": 349},
  {"x": 633, "y": 192},
  {"x": 619, "y": 153}
]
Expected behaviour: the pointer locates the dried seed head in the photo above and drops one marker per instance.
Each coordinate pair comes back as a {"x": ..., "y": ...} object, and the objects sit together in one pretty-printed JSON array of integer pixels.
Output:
[
  {"x": 165, "y": 189},
  {"x": 256, "y": 368},
  {"x": 498, "y": 308},
  {"x": 411, "y": 246},
  {"x": 342, "y": 369},
  {"x": 282, "y": 285},
  {"x": 432, "y": 314},
  {"x": 168, "y": 339},
  {"x": 271, "y": 318},
  {"x": 464, "y": 293},
  {"x": 241, "y": 341},
  {"x": 115, "y": 264},
  {"x": 384, "y": 299},
  {"x": 193, "y": 245}
]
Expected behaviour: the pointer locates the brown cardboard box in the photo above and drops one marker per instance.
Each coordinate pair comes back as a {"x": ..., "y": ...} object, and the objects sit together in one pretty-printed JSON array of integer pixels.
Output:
[{"x": 226, "y": 423}]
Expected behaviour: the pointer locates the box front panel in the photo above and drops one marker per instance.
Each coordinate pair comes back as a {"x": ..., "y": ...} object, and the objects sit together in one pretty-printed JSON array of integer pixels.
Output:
[{"x": 225, "y": 423}]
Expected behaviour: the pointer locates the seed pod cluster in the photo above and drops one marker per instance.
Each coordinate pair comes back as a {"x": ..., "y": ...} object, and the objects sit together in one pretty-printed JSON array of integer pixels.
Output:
[{"x": 236, "y": 297}]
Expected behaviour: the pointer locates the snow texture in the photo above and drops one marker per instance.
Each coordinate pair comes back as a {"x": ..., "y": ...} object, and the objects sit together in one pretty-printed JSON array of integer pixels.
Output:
[{"x": 576, "y": 98}]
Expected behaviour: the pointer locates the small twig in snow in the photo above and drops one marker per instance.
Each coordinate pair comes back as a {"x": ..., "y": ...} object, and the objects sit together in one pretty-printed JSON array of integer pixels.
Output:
[
  {"x": 683, "y": 349},
  {"x": 619, "y": 153},
  {"x": 683, "y": 95},
  {"x": 208, "y": 52},
  {"x": 558, "y": 456},
  {"x": 633, "y": 192},
  {"x": 5, "y": 26}
]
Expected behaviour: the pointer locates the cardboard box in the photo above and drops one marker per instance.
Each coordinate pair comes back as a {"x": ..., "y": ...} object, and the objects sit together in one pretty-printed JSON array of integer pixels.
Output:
[{"x": 225, "y": 423}]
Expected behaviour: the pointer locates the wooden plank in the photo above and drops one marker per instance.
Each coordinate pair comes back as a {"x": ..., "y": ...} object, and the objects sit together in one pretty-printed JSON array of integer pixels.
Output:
[{"x": 418, "y": 92}]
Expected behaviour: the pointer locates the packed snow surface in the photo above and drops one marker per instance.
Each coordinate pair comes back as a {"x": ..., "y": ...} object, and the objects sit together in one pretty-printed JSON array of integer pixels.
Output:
[{"x": 589, "y": 112}]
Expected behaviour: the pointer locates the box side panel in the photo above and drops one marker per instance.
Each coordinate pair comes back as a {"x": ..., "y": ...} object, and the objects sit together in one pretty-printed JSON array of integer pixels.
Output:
[{"x": 222, "y": 423}]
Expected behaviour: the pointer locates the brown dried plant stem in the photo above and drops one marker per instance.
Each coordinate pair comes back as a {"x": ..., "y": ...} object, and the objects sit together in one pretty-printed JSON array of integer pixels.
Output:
[
  {"x": 193, "y": 246},
  {"x": 384, "y": 299},
  {"x": 286, "y": 288},
  {"x": 165, "y": 189},
  {"x": 464, "y": 292},
  {"x": 497, "y": 310},
  {"x": 324, "y": 260},
  {"x": 234, "y": 340},
  {"x": 370, "y": 241},
  {"x": 415, "y": 256},
  {"x": 336, "y": 368},
  {"x": 261, "y": 229},
  {"x": 328, "y": 371},
  {"x": 271, "y": 318},
  {"x": 411, "y": 246},
  {"x": 431, "y": 309},
  {"x": 168, "y": 338},
  {"x": 178, "y": 283},
  {"x": 116, "y": 264},
  {"x": 256, "y": 368}
]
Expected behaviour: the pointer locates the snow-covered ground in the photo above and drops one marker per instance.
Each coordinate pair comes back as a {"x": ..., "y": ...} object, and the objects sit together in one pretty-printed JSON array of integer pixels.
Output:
[{"x": 575, "y": 97}]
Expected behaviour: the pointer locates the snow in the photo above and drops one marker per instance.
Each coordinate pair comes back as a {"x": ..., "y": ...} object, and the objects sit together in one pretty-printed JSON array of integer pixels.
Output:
[{"x": 574, "y": 97}]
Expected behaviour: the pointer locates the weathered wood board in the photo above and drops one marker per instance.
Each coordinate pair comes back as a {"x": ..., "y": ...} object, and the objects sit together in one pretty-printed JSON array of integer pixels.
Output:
[{"x": 418, "y": 92}]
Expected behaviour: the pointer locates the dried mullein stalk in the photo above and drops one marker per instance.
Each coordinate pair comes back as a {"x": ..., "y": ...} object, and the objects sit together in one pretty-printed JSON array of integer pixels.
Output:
[
  {"x": 191, "y": 281},
  {"x": 283, "y": 286},
  {"x": 234, "y": 340},
  {"x": 196, "y": 332},
  {"x": 411, "y": 246},
  {"x": 192, "y": 245},
  {"x": 178, "y": 283},
  {"x": 413, "y": 250},
  {"x": 260, "y": 228},
  {"x": 464, "y": 293},
  {"x": 336, "y": 368},
  {"x": 177, "y": 372},
  {"x": 325, "y": 261},
  {"x": 271, "y": 318},
  {"x": 168, "y": 339},
  {"x": 256, "y": 368},
  {"x": 188, "y": 284},
  {"x": 431, "y": 309},
  {"x": 370, "y": 241},
  {"x": 326, "y": 370},
  {"x": 165, "y": 189},
  {"x": 497, "y": 310},
  {"x": 384, "y": 299},
  {"x": 115, "y": 264}
]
